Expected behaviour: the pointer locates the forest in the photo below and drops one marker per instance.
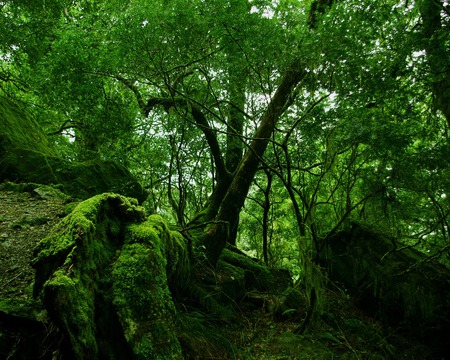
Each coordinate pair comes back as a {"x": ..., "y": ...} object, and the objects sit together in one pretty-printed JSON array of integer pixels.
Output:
[{"x": 224, "y": 179}]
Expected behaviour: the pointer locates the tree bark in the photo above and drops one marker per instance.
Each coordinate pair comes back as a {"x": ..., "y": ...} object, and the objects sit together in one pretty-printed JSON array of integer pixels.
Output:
[
  {"x": 265, "y": 225},
  {"x": 228, "y": 215},
  {"x": 437, "y": 55}
]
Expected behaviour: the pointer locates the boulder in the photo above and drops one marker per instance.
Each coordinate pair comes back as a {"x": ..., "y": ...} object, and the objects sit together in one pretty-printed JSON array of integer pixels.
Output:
[
  {"x": 103, "y": 276},
  {"x": 26, "y": 155},
  {"x": 397, "y": 284}
]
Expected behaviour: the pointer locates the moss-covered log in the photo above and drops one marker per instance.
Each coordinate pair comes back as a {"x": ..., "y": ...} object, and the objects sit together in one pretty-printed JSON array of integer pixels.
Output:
[
  {"x": 395, "y": 283},
  {"x": 103, "y": 274}
]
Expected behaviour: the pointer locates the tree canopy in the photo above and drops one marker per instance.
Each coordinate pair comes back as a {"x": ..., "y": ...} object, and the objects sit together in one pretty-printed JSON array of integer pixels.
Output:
[
  {"x": 268, "y": 126},
  {"x": 291, "y": 118}
]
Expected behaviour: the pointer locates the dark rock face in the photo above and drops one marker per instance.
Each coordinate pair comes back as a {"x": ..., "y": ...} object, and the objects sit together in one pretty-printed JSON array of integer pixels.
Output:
[
  {"x": 27, "y": 156},
  {"x": 394, "y": 283}
]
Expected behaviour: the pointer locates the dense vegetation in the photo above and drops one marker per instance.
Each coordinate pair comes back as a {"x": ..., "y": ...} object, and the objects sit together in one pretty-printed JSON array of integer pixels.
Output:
[{"x": 270, "y": 126}]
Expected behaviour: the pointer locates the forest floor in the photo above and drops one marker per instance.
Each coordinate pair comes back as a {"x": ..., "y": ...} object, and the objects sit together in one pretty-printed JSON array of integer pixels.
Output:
[
  {"x": 343, "y": 333},
  {"x": 25, "y": 218}
]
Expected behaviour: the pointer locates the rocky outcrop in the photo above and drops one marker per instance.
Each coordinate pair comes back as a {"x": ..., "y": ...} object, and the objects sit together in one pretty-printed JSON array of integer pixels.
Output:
[
  {"x": 26, "y": 155},
  {"x": 103, "y": 276},
  {"x": 395, "y": 283}
]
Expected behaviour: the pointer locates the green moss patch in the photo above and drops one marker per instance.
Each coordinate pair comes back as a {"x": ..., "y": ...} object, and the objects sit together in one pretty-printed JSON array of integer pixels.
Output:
[
  {"x": 144, "y": 303},
  {"x": 19, "y": 129},
  {"x": 27, "y": 156},
  {"x": 103, "y": 276}
]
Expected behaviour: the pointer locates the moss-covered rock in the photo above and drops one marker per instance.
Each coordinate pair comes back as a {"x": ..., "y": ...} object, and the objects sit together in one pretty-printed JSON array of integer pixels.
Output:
[
  {"x": 104, "y": 278},
  {"x": 237, "y": 280},
  {"x": 256, "y": 274},
  {"x": 27, "y": 156},
  {"x": 19, "y": 130},
  {"x": 142, "y": 297},
  {"x": 392, "y": 282}
]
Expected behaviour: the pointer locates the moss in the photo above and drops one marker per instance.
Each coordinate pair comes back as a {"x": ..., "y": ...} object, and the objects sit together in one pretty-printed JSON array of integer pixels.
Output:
[
  {"x": 68, "y": 208},
  {"x": 72, "y": 266},
  {"x": 23, "y": 308},
  {"x": 139, "y": 277},
  {"x": 72, "y": 305},
  {"x": 244, "y": 261},
  {"x": 175, "y": 248},
  {"x": 78, "y": 179},
  {"x": 18, "y": 128},
  {"x": 155, "y": 232},
  {"x": 103, "y": 250},
  {"x": 27, "y": 156},
  {"x": 201, "y": 338},
  {"x": 53, "y": 249},
  {"x": 96, "y": 176},
  {"x": 141, "y": 293},
  {"x": 50, "y": 192},
  {"x": 401, "y": 288},
  {"x": 143, "y": 233},
  {"x": 25, "y": 165},
  {"x": 177, "y": 255},
  {"x": 257, "y": 275}
]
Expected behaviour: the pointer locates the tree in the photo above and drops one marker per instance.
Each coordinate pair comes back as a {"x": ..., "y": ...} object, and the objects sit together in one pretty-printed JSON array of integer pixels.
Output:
[
  {"x": 435, "y": 17},
  {"x": 225, "y": 70},
  {"x": 342, "y": 105}
]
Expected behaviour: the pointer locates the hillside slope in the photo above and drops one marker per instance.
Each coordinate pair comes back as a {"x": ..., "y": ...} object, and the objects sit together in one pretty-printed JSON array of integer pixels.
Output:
[{"x": 256, "y": 330}]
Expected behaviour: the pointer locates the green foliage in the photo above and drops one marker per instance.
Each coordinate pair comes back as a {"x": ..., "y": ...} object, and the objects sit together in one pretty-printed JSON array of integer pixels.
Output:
[
  {"x": 363, "y": 137},
  {"x": 200, "y": 337}
]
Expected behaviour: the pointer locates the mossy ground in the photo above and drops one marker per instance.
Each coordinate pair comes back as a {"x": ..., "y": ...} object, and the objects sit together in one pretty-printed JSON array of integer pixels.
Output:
[{"x": 249, "y": 331}]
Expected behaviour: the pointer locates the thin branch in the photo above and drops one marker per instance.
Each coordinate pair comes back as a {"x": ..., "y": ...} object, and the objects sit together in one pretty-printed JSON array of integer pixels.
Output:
[{"x": 201, "y": 122}]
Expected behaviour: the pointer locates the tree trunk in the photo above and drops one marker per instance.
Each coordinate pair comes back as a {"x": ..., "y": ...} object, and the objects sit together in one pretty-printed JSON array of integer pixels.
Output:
[
  {"x": 437, "y": 54},
  {"x": 105, "y": 283},
  {"x": 265, "y": 224},
  {"x": 228, "y": 215}
]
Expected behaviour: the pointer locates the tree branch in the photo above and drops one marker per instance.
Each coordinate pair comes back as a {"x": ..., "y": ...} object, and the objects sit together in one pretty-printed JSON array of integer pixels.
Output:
[{"x": 201, "y": 122}]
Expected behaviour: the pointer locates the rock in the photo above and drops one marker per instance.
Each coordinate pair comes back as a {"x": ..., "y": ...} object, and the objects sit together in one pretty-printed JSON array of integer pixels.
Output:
[
  {"x": 50, "y": 193},
  {"x": 103, "y": 277},
  {"x": 26, "y": 155},
  {"x": 397, "y": 284}
]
